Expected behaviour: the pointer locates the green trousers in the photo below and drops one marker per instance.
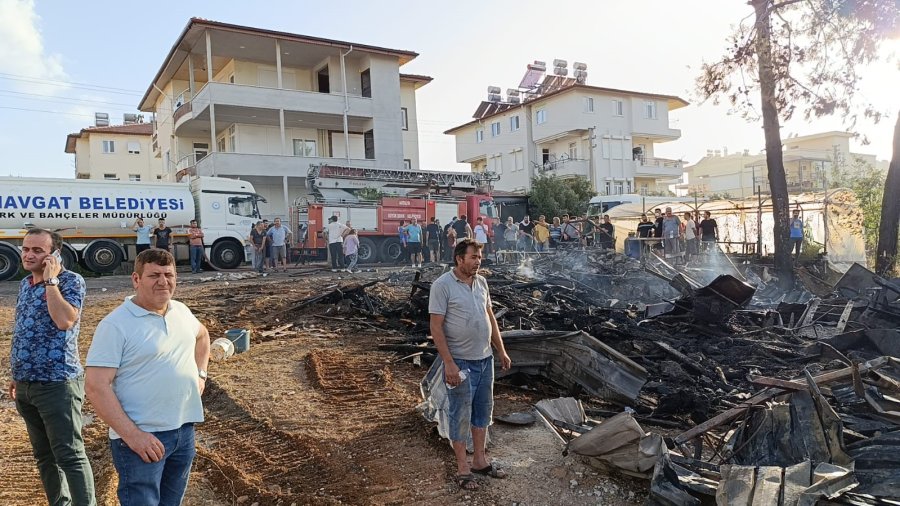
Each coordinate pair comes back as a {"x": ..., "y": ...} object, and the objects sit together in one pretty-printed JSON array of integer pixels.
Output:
[{"x": 52, "y": 413}]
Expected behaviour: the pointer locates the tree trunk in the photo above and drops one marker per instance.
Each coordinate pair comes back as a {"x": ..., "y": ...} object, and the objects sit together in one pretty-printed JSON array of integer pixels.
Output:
[
  {"x": 886, "y": 252},
  {"x": 774, "y": 159}
]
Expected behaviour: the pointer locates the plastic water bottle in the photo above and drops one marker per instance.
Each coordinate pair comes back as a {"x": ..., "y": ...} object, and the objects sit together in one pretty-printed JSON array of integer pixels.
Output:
[{"x": 462, "y": 377}]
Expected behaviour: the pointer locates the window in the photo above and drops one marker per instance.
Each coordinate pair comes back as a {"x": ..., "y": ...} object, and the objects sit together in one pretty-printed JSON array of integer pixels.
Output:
[
  {"x": 588, "y": 104},
  {"x": 618, "y": 188},
  {"x": 650, "y": 110},
  {"x": 111, "y": 177},
  {"x": 407, "y": 164},
  {"x": 573, "y": 151},
  {"x": 404, "y": 118},
  {"x": 608, "y": 186},
  {"x": 645, "y": 188},
  {"x": 232, "y": 141},
  {"x": 369, "y": 143},
  {"x": 479, "y": 135},
  {"x": 242, "y": 206},
  {"x": 365, "y": 80},
  {"x": 618, "y": 108},
  {"x": 201, "y": 149},
  {"x": 519, "y": 160},
  {"x": 495, "y": 129},
  {"x": 513, "y": 123},
  {"x": 109, "y": 146},
  {"x": 495, "y": 164},
  {"x": 159, "y": 177},
  {"x": 134, "y": 177},
  {"x": 305, "y": 147},
  {"x": 134, "y": 148},
  {"x": 545, "y": 156},
  {"x": 220, "y": 144},
  {"x": 231, "y": 78},
  {"x": 540, "y": 116}
]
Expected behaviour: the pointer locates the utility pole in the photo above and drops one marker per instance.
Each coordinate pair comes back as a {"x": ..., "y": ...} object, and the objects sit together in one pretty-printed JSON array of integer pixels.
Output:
[{"x": 591, "y": 145}]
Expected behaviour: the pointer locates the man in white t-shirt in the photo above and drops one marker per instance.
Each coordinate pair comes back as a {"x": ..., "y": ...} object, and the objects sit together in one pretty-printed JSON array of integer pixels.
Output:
[
  {"x": 146, "y": 370},
  {"x": 336, "y": 231}
]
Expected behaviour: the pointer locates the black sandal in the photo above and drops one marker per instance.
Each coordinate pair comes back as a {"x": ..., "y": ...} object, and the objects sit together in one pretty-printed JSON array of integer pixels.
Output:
[
  {"x": 467, "y": 482},
  {"x": 492, "y": 470}
]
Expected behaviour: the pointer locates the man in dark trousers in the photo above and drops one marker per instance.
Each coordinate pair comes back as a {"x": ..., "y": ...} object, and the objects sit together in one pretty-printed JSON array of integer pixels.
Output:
[
  {"x": 47, "y": 377},
  {"x": 709, "y": 232}
]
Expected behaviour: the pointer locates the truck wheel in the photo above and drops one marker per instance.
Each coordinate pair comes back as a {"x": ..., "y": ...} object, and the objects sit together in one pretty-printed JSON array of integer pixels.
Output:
[
  {"x": 69, "y": 259},
  {"x": 227, "y": 255},
  {"x": 368, "y": 253},
  {"x": 9, "y": 264},
  {"x": 391, "y": 249},
  {"x": 103, "y": 257}
]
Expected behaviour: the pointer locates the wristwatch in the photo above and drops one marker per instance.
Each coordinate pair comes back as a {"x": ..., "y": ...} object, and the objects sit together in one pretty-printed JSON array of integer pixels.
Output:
[
  {"x": 202, "y": 373},
  {"x": 51, "y": 282}
]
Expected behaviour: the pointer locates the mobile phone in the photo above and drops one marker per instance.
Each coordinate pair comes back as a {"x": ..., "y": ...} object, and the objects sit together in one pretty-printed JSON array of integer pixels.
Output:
[{"x": 56, "y": 254}]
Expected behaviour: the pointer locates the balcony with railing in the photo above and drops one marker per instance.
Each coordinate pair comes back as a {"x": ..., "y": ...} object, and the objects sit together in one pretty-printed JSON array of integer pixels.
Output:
[
  {"x": 253, "y": 98},
  {"x": 248, "y": 164},
  {"x": 566, "y": 167},
  {"x": 646, "y": 166}
]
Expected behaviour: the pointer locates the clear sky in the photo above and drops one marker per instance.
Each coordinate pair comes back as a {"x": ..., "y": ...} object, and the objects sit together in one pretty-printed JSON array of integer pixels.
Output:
[{"x": 101, "y": 55}]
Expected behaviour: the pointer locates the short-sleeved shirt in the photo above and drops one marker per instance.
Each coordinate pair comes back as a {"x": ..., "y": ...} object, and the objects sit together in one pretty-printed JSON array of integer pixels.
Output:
[
  {"x": 671, "y": 227},
  {"x": 278, "y": 235},
  {"x": 481, "y": 233},
  {"x": 351, "y": 245},
  {"x": 433, "y": 233},
  {"x": 40, "y": 351},
  {"x": 257, "y": 237},
  {"x": 528, "y": 228},
  {"x": 414, "y": 233},
  {"x": 645, "y": 229},
  {"x": 196, "y": 236},
  {"x": 690, "y": 230},
  {"x": 163, "y": 235},
  {"x": 541, "y": 233},
  {"x": 467, "y": 325},
  {"x": 143, "y": 234},
  {"x": 708, "y": 229},
  {"x": 335, "y": 232},
  {"x": 156, "y": 379},
  {"x": 796, "y": 228},
  {"x": 510, "y": 233},
  {"x": 608, "y": 233}
]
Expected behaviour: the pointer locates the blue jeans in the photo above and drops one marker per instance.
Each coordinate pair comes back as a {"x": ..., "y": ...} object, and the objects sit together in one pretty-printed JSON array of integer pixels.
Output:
[
  {"x": 352, "y": 259},
  {"x": 196, "y": 258},
  {"x": 160, "y": 483},
  {"x": 471, "y": 404}
]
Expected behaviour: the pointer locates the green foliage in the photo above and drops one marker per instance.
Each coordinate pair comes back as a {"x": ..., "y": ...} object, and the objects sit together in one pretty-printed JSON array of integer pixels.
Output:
[
  {"x": 721, "y": 196},
  {"x": 552, "y": 196},
  {"x": 867, "y": 183},
  {"x": 369, "y": 193}
]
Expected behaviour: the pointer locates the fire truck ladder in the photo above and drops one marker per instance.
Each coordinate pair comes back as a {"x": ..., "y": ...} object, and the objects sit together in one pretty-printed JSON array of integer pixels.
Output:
[{"x": 461, "y": 180}]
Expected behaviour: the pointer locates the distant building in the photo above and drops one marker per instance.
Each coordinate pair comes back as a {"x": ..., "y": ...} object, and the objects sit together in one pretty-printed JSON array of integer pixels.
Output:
[
  {"x": 545, "y": 126},
  {"x": 808, "y": 164},
  {"x": 120, "y": 152},
  {"x": 263, "y": 105}
]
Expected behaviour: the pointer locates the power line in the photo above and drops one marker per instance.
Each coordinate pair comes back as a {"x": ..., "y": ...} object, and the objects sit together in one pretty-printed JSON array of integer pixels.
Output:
[
  {"x": 60, "y": 99},
  {"x": 63, "y": 85},
  {"x": 44, "y": 110},
  {"x": 72, "y": 83}
]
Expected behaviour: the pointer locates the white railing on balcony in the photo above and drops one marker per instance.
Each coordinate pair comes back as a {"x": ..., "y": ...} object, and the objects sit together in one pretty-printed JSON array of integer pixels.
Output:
[{"x": 648, "y": 161}]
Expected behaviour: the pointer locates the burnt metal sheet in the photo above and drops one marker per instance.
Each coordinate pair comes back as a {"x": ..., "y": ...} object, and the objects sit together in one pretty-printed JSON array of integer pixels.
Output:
[{"x": 619, "y": 443}]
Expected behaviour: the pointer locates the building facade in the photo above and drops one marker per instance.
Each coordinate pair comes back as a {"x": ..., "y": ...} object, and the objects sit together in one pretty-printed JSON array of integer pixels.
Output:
[
  {"x": 809, "y": 163},
  {"x": 261, "y": 105},
  {"x": 120, "y": 152},
  {"x": 573, "y": 130}
]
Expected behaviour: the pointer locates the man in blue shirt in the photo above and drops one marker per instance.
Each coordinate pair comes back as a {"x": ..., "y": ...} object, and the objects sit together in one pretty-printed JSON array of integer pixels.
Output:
[
  {"x": 143, "y": 236},
  {"x": 47, "y": 377},
  {"x": 414, "y": 242},
  {"x": 796, "y": 233}
]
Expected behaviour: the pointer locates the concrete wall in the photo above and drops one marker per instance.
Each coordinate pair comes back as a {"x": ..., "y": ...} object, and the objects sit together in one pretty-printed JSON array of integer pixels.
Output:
[{"x": 411, "y": 134}]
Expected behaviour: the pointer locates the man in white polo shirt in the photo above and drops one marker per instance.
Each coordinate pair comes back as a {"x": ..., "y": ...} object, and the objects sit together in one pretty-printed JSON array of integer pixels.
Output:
[{"x": 146, "y": 370}]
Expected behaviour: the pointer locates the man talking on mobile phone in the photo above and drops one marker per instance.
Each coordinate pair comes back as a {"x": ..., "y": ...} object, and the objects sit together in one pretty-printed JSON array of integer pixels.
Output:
[{"x": 47, "y": 377}]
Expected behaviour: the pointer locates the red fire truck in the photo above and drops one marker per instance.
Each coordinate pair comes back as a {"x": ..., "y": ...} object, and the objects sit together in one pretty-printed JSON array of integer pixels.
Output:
[{"x": 451, "y": 194}]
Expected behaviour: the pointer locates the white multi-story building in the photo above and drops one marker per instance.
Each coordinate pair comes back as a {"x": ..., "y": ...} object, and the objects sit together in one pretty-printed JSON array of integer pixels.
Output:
[
  {"x": 809, "y": 162},
  {"x": 119, "y": 152},
  {"x": 558, "y": 125},
  {"x": 262, "y": 105}
]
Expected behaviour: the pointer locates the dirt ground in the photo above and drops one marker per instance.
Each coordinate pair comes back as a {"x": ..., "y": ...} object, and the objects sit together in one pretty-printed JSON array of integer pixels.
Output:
[{"x": 314, "y": 414}]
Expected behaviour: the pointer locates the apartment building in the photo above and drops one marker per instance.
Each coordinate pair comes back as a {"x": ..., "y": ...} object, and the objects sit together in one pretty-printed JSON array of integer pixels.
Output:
[
  {"x": 262, "y": 105},
  {"x": 118, "y": 152},
  {"x": 552, "y": 124},
  {"x": 809, "y": 161}
]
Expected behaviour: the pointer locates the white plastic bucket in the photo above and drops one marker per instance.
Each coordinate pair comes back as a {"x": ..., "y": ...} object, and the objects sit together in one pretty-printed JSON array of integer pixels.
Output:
[{"x": 221, "y": 349}]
